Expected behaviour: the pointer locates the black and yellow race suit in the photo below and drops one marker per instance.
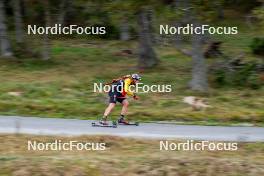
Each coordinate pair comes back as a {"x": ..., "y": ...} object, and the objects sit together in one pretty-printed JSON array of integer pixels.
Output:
[{"x": 120, "y": 89}]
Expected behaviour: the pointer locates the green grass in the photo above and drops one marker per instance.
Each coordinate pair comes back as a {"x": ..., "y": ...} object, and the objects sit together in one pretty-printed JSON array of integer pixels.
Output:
[{"x": 63, "y": 86}]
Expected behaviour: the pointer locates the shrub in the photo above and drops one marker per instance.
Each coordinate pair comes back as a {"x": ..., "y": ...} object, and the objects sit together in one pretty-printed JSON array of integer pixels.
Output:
[
  {"x": 257, "y": 46},
  {"x": 246, "y": 75}
]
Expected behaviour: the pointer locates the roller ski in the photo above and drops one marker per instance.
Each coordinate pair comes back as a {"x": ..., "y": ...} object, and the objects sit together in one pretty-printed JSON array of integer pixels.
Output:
[
  {"x": 104, "y": 123},
  {"x": 122, "y": 121}
]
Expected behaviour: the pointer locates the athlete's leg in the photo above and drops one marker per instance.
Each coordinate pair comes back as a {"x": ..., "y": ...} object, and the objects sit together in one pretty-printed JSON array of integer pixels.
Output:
[
  {"x": 112, "y": 103},
  {"x": 109, "y": 109},
  {"x": 123, "y": 112},
  {"x": 125, "y": 104}
]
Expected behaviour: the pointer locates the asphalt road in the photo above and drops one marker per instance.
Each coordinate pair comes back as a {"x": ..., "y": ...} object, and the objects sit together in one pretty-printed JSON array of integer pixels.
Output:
[{"x": 71, "y": 127}]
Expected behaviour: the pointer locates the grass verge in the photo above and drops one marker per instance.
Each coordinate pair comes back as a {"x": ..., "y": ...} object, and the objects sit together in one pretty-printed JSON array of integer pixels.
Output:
[{"x": 125, "y": 157}]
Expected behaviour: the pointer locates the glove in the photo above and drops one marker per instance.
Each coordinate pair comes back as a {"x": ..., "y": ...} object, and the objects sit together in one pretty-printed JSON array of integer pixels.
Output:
[{"x": 135, "y": 97}]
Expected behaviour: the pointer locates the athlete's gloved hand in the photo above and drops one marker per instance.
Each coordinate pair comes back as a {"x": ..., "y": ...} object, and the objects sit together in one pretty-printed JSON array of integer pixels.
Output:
[{"x": 135, "y": 97}]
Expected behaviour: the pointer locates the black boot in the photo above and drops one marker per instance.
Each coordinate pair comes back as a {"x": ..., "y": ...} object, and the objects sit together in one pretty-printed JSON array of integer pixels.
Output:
[
  {"x": 103, "y": 120},
  {"x": 122, "y": 120}
]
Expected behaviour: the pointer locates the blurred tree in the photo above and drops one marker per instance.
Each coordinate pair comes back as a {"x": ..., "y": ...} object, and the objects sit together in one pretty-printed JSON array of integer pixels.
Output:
[
  {"x": 46, "y": 40},
  {"x": 182, "y": 18},
  {"x": 147, "y": 55},
  {"x": 62, "y": 12},
  {"x": 140, "y": 11},
  {"x": 124, "y": 29},
  {"x": 121, "y": 16},
  {"x": 18, "y": 21},
  {"x": 199, "y": 80},
  {"x": 5, "y": 43},
  {"x": 259, "y": 13},
  {"x": 219, "y": 5},
  {"x": 200, "y": 11}
]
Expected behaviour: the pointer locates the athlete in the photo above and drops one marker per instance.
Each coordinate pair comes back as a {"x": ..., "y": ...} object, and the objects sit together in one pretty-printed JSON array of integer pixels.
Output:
[{"x": 118, "y": 92}]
